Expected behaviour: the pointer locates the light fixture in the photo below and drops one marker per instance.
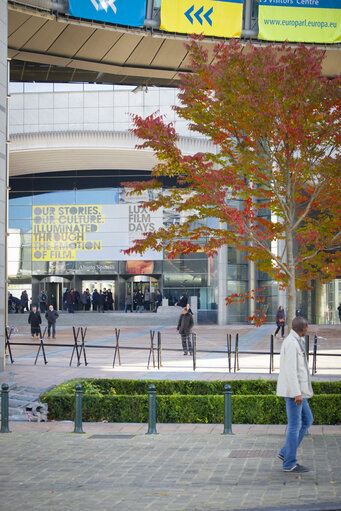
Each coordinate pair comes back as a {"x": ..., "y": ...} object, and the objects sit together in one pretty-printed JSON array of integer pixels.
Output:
[{"x": 140, "y": 88}]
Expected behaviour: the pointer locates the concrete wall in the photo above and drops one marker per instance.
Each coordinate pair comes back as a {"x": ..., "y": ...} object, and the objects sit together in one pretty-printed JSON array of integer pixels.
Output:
[{"x": 3, "y": 181}]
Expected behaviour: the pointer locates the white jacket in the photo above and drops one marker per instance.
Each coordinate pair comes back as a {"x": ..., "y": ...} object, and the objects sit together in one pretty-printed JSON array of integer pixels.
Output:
[{"x": 294, "y": 378}]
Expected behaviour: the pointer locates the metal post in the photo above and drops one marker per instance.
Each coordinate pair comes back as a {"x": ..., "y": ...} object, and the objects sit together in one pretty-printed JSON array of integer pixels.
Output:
[
  {"x": 227, "y": 410},
  {"x": 194, "y": 350},
  {"x": 78, "y": 409},
  {"x": 4, "y": 408},
  {"x": 151, "y": 410},
  {"x": 271, "y": 353},
  {"x": 307, "y": 346},
  {"x": 159, "y": 350},
  {"x": 314, "y": 371}
]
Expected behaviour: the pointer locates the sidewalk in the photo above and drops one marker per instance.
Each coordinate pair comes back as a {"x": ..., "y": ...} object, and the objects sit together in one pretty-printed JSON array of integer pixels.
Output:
[
  {"x": 190, "y": 467},
  {"x": 183, "y": 468}
]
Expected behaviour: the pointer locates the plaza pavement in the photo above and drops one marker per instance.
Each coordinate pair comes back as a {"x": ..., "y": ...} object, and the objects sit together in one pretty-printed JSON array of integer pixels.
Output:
[{"x": 184, "y": 467}]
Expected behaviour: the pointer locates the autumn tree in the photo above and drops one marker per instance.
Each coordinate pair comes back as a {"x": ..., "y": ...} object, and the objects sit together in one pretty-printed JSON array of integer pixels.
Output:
[{"x": 273, "y": 181}]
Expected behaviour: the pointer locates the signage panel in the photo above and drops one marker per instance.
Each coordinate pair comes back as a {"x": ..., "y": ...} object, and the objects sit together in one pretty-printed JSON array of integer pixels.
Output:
[
  {"x": 307, "y": 21},
  {"x": 120, "y": 12},
  {"x": 90, "y": 232},
  {"x": 220, "y": 18}
]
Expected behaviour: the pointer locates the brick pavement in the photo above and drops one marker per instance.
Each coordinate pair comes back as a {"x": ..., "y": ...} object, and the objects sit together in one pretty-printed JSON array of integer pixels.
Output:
[
  {"x": 192, "y": 468},
  {"x": 184, "y": 467}
]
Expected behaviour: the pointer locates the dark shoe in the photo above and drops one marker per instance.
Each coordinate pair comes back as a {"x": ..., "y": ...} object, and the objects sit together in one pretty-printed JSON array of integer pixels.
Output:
[
  {"x": 280, "y": 456},
  {"x": 297, "y": 468},
  {"x": 185, "y": 352}
]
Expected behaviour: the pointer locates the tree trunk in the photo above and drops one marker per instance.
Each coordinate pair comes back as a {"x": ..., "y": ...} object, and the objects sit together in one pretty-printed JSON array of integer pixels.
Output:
[{"x": 291, "y": 279}]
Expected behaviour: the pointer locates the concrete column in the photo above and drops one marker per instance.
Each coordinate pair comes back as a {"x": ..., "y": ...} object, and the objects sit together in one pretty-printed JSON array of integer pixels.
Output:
[
  {"x": 222, "y": 285},
  {"x": 3, "y": 176}
]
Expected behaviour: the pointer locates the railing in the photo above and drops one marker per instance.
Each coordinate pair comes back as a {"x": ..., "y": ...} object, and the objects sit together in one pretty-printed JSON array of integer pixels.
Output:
[
  {"x": 152, "y": 410},
  {"x": 156, "y": 349}
]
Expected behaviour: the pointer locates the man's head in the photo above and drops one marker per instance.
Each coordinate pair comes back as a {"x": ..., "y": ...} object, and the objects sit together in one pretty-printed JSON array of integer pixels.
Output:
[
  {"x": 34, "y": 309},
  {"x": 51, "y": 307},
  {"x": 300, "y": 325},
  {"x": 184, "y": 310}
]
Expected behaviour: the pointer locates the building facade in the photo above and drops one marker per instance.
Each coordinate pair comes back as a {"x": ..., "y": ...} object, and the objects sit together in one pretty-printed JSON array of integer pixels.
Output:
[{"x": 71, "y": 217}]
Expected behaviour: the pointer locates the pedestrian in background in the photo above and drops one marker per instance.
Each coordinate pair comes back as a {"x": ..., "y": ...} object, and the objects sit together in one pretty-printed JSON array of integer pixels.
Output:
[
  {"x": 51, "y": 316},
  {"x": 34, "y": 320},
  {"x": 185, "y": 325},
  {"x": 128, "y": 303},
  {"x": 42, "y": 301},
  {"x": 24, "y": 301},
  {"x": 280, "y": 321},
  {"x": 139, "y": 301},
  {"x": 295, "y": 386},
  {"x": 158, "y": 301}
]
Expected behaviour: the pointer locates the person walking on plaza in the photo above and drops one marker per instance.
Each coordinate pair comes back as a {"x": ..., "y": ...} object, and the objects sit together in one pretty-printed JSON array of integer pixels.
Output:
[
  {"x": 24, "y": 301},
  {"x": 295, "y": 386},
  {"x": 42, "y": 301},
  {"x": 128, "y": 303},
  {"x": 34, "y": 320},
  {"x": 101, "y": 301},
  {"x": 339, "y": 309},
  {"x": 51, "y": 316},
  {"x": 158, "y": 301},
  {"x": 139, "y": 301},
  {"x": 280, "y": 321},
  {"x": 185, "y": 325}
]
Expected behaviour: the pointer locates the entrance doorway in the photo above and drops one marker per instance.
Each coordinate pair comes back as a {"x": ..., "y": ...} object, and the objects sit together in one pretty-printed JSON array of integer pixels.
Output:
[
  {"x": 143, "y": 283},
  {"x": 54, "y": 291}
]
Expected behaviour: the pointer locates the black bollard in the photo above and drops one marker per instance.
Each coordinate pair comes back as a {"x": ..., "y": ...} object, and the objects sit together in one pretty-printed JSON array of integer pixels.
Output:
[
  {"x": 78, "y": 409},
  {"x": 151, "y": 410},
  {"x": 227, "y": 410},
  {"x": 4, "y": 408}
]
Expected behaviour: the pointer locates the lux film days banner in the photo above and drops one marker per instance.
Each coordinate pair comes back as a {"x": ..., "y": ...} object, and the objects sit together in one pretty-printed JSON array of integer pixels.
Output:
[
  {"x": 307, "y": 21},
  {"x": 120, "y": 12},
  {"x": 91, "y": 232}
]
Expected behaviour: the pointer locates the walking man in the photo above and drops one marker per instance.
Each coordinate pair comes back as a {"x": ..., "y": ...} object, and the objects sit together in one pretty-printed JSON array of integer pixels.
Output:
[
  {"x": 295, "y": 386},
  {"x": 184, "y": 328},
  {"x": 51, "y": 316}
]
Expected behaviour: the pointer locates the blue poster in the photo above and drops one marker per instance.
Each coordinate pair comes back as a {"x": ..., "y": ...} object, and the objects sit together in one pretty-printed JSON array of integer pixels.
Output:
[{"x": 120, "y": 12}]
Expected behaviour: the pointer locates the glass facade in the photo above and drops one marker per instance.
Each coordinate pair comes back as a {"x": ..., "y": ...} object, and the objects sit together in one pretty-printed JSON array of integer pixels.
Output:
[{"x": 44, "y": 211}]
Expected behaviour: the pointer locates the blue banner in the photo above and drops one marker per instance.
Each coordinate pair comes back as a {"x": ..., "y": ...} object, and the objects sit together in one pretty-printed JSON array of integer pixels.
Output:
[{"x": 120, "y": 12}]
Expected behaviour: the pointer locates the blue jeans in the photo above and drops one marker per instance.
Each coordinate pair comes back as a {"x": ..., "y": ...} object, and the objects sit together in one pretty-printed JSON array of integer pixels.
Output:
[
  {"x": 300, "y": 419},
  {"x": 139, "y": 308}
]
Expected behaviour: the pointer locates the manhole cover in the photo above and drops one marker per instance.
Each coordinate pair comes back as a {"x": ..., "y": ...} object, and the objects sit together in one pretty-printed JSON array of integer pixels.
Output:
[
  {"x": 119, "y": 437},
  {"x": 252, "y": 454}
]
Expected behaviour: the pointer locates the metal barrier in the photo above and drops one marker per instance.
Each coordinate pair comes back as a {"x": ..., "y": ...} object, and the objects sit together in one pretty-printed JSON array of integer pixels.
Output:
[
  {"x": 4, "y": 408},
  {"x": 79, "y": 349}
]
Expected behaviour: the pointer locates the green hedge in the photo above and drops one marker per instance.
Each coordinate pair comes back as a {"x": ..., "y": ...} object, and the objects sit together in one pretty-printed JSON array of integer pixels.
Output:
[
  {"x": 183, "y": 387},
  {"x": 104, "y": 400}
]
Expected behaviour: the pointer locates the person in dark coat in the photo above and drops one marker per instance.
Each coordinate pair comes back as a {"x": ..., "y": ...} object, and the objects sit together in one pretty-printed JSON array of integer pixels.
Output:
[
  {"x": 280, "y": 320},
  {"x": 42, "y": 301},
  {"x": 24, "y": 301},
  {"x": 183, "y": 301},
  {"x": 110, "y": 300},
  {"x": 101, "y": 301},
  {"x": 185, "y": 325},
  {"x": 69, "y": 301},
  {"x": 34, "y": 320},
  {"x": 51, "y": 316},
  {"x": 139, "y": 301},
  {"x": 95, "y": 300},
  {"x": 158, "y": 300}
]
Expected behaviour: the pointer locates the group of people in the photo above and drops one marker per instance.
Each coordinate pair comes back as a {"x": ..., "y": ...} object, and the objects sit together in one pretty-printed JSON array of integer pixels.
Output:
[
  {"x": 34, "y": 320},
  {"x": 97, "y": 301},
  {"x": 18, "y": 304},
  {"x": 140, "y": 301}
]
